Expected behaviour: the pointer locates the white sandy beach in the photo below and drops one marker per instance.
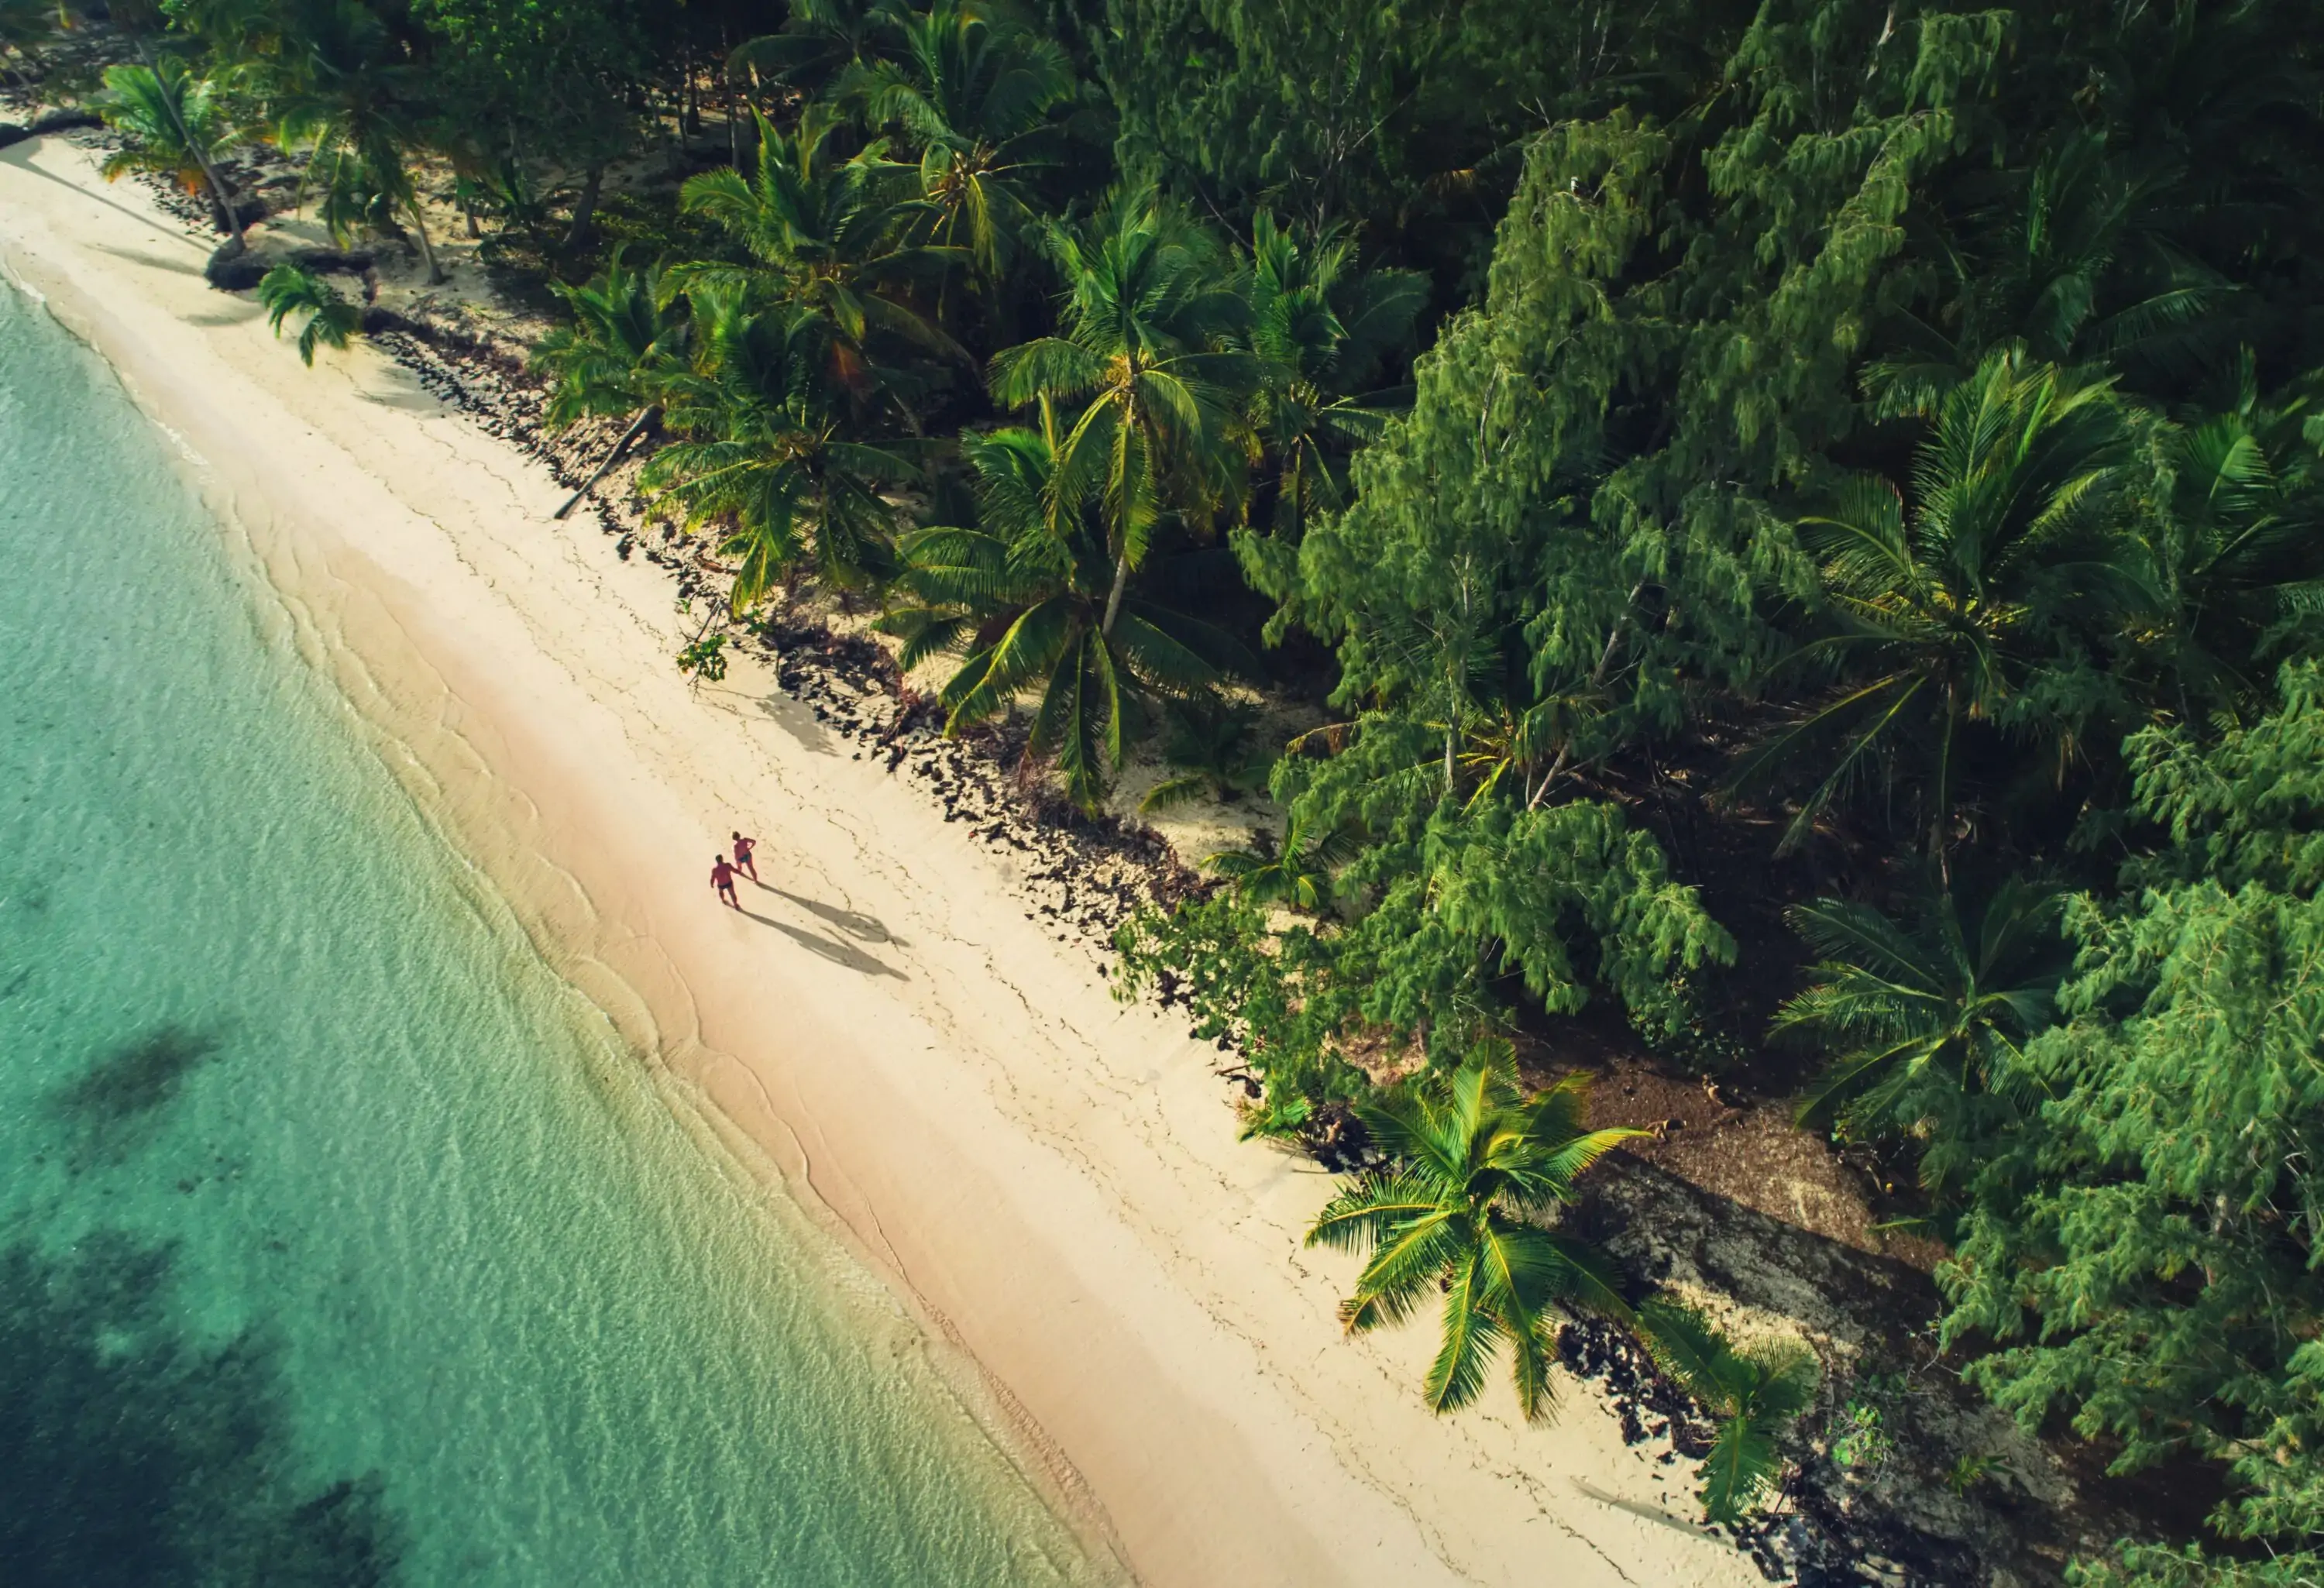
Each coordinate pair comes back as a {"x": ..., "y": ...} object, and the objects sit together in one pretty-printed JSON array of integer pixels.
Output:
[{"x": 1051, "y": 1179}]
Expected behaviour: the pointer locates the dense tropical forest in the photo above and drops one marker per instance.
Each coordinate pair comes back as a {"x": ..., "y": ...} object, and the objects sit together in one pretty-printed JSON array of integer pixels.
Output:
[{"x": 1803, "y": 523}]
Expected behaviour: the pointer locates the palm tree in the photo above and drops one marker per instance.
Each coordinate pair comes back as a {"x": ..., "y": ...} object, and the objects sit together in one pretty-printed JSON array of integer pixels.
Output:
[
  {"x": 626, "y": 341},
  {"x": 1297, "y": 872},
  {"x": 1754, "y": 1391},
  {"x": 1476, "y": 1165},
  {"x": 2083, "y": 269},
  {"x": 1955, "y": 607},
  {"x": 2233, "y": 561},
  {"x": 344, "y": 90},
  {"x": 24, "y": 23},
  {"x": 1320, "y": 327},
  {"x": 1210, "y": 742},
  {"x": 175, "y": 123},
  {"x": 1922, "y": 1016},
  {"x": 829, "y": 235},
  {"x": 765, "y": 455},
  {"x": 331, "y": 319},
  {"x": 1150, "y": 303},
  {"x": 973, "y": 93},
  {"x": 1021, "y": 596},
  {"x": 820, "y": 39}
]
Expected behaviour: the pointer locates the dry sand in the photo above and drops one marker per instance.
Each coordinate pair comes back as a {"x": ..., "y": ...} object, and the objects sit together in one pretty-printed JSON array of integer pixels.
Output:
[{"x": 1048, "y": 1177}]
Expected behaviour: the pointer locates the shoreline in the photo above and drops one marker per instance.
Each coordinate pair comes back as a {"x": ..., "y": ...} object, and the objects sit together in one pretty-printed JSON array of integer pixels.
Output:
[{"x": 1049, "y": 1178}]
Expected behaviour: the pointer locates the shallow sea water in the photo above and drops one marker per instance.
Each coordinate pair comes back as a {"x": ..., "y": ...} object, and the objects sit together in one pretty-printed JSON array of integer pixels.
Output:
[{"x": 341, "y": 1242}]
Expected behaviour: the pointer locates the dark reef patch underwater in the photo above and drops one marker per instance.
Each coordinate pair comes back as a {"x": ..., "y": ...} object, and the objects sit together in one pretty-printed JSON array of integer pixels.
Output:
[{"x": 132, "y": 1454}]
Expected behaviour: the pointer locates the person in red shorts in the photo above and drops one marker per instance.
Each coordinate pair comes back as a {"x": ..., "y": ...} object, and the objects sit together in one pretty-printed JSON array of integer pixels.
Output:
[
  {"x": 722, "y": 877},
  {"x": 742, "y": 861}
]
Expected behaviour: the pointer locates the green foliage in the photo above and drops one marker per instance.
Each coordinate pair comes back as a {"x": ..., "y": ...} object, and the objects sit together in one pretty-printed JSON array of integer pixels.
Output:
[
  {"x": 1210, "y": 742},
  {"x": 704, "y": 660},
  {"x": 1962, "y": 612},
  {"x": 556, "y": 79},
  {"x": 1863, "y": 1444},
  {"x": 1861, "y": 439},
  {"x": 828, "y": 236},
  {"x": 1407, "y": 116},
  {"x": 2231, "y": 552},
  {"x": 1152, "y": 303},
  {"x": 623, "y": 344},
  {"x": 1926, "y": 1023},
  {"x": 2142, "y": 1249},
  {"x": 1281, "y": 1001},
  {"x": 26, "y": 25},
  {"x": 2150, "y": 1565},
  {"x": 331, "y": 319},
  {"x": 1026, "y": 598},
  {"x": 173, "y": 120},
  {"x": 1320, "y": 331},
  {"x": 974, "y": 95},
  {"x": 1295, "y": 871},
  {"x": 762, "y": 453},
  {"x": 1754, "y": 1391},
  {"x": 1476, "y": 1167}
]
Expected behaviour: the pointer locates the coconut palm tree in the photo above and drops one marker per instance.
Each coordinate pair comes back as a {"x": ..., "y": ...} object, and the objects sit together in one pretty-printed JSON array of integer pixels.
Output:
[
  {"x": 1210, "y": 742},
  {"x": 1022, "y": 596},
  {"x": 831, "y": 237},
  {"x": 1151, "y": 306},
  {"x": 1755, "y": 1391},
  {"x": 2233, "y": 561},
  {"x": 764, "y": 453},
  {"x": 1298, "y": 871},
  {"x": 972, "y": 95},
  {"x": 820, "y": 39},
  {"x": 331, "y": 319},
  {"x": 1320, "y": 327},
  {"x": 26, "y": 25},
  {"x": 175, "y": 123},
  {"x": 1921, "y": 1016},
  {"x": 1955, "y": 606},
  {"x": 1477, "y": 1165},
  {"x": 344, "y": 89},
  {"x": 626, "y": 339}
]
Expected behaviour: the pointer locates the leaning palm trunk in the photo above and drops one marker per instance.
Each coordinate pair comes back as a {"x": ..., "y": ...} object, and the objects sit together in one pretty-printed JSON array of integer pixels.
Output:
[
  {"x": 194, "y": 147},
  {"x": 637, "y": 426},
  {"x": 1113, "y": 598},
  {"x": 427, "y": 247}
]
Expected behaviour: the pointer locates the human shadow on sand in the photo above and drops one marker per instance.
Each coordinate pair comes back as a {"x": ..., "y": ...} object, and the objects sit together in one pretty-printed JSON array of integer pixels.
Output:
[
  {"x": 869, "y": 929},
  {"x": 830, "y": 948}
]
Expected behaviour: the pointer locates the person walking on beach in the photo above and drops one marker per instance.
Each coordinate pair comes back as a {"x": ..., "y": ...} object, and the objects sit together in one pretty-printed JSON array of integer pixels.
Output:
[
  {"x": 743, "y": 861},
  {"x": 722, "y": 877}
]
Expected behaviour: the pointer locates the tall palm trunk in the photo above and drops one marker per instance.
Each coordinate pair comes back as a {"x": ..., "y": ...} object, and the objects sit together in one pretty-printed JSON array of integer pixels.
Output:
[
  {"x": 1129, "y": 420},
  {"x": 1113, "y": 598},
  {"x": 645, "y": 417},
  {"x": 1941, "y": 818},
  {"x": 426, "y": 246},
  {"x": 193, "y": 146},
  {"x": 585, "y": 209}
]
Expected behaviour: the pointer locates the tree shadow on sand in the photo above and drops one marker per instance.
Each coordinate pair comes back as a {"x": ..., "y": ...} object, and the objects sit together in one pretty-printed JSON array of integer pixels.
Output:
[{"x": 132, "y": 1456}]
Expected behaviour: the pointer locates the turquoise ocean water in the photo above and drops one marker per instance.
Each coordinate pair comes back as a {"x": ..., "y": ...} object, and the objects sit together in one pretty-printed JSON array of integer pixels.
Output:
[{"x": 340, "y": 1242}]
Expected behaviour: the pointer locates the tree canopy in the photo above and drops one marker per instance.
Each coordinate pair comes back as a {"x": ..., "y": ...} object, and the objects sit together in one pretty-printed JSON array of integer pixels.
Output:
[{"x": 1798, "y": 523}]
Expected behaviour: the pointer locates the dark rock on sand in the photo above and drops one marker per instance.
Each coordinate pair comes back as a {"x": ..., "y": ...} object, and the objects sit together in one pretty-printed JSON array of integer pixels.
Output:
[{"x": 237, "y": 268}]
